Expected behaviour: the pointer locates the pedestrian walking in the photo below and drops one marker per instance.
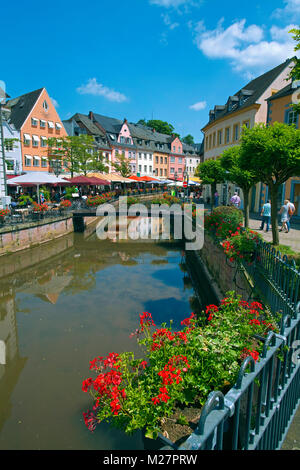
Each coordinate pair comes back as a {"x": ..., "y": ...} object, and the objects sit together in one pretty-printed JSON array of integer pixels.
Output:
[
  {"x": 216, "y": 198},
  {"x": 266, "y": 215},
  {"x": 235, "y": 200},
  {"x": 291, "y": 210},
  {"x": 284, "y": 212}
]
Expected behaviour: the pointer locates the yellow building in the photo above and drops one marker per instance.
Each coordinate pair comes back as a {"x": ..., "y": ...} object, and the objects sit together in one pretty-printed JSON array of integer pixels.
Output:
[
  {"x": 280, "y": 110},
  {"x": 247, "y": 107}
]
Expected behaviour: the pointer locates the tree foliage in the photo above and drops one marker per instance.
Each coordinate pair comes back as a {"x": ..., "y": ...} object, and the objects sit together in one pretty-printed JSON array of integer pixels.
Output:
[
  {"x": 244, "y": 178},
  {"x": 211, "y": 172},
  {"x": 122, "y": 165},
  {"x": 272, "y": 153},
  {"x": 162, "y": 127},
  {"x": 78, "y": 152},
  {"x": 188, "y": 139}
]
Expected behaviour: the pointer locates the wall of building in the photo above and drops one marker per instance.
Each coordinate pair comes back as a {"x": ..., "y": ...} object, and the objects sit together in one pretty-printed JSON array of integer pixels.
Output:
[{"x": 40, "y": 113}]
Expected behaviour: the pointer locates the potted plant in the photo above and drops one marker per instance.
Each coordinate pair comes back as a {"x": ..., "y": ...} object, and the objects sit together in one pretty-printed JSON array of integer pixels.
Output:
[
  {"x": 3, "y": 214},
  {"x": 166, "y": 388}
]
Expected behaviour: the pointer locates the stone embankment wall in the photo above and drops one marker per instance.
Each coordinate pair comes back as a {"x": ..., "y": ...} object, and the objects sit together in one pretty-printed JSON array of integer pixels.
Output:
[{"x": 223, "y": 273}]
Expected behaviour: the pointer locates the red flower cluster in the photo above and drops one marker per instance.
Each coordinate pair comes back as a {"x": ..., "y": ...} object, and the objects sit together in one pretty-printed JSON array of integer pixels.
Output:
[
  {"x": 171, "y": 374},
  {"x": 90, "y": 420},
  {"x": 248, "y": 352},
  {"x": 106, "y": 384},
  {"x": 146, "y": 320},
  {"x": 209, "y": 311},
  {"x": 187, "y": 321}
]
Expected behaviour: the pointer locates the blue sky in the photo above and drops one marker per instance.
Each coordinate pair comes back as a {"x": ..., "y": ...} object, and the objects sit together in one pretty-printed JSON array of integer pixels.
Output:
[{"x": 167, "y": 59}]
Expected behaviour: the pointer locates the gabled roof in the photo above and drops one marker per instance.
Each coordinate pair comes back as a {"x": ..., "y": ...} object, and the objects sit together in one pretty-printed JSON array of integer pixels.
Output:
[
  {"x": 251, "y": 92},
  {"x": 111, "y": 125},
  {"x": 22, "y": 106},
  {"x": 91, "y": 127},
  {"x": 286, "y": 91}
]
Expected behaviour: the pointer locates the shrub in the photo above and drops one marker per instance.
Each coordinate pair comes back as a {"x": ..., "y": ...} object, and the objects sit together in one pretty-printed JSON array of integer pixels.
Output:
[
  {"x": 241, "y": 245},
  {"x": 39, "y": 207},
  {"x": 65, "y": 204},
  {"x": 177, "y": 368},
  {"x": 223, "y": 221}
]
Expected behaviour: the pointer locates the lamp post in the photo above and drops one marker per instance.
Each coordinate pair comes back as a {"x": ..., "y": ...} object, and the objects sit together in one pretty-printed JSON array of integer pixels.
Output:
[
  {"x": 175, "y": 178},
  {"x": 186, "y": 178}
]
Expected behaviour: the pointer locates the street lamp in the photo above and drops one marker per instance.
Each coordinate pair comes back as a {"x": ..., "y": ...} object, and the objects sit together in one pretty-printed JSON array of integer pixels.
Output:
[{"x": 186, "y": 178}]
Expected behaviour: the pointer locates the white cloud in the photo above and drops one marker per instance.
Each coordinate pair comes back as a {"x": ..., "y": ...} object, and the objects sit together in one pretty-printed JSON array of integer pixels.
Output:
[
  {"x": 170, "y": 3},
  {"x": 290, "y": 10},
  {"x": 54, "y": 102},
  {"x": 168, "y": 22},
  {"x": 245, "y": 47},
  {"x": 92, "y": 87},
  {"x": 198, "y": 106}
]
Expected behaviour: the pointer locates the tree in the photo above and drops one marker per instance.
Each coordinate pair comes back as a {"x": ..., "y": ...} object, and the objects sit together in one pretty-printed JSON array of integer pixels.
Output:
[
  {"x": 78, "y": 152},
  {"x": 188, "y": 139},
  {"x": 245, "y": 179},
  {"x": 162, "y": 127},
  {"x": 122, "y": 165},
  {"x": 273, "y": 154},
  {"x": 211, "y": 172},
  {"x": 295, "y": 72}
]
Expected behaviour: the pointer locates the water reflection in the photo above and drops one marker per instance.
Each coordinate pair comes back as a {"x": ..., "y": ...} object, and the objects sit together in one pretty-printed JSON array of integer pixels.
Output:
[{"x": 61, "y": 305}]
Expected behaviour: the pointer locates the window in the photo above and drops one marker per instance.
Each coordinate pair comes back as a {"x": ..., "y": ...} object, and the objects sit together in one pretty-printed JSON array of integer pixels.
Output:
[
  {"x": 122, "y": 139},
  {"x": 45, "y": 162},
  {"x": 58, "y": 126},
  {"x": 172, "y": 170},
  {"x": 161, "y": 159},
  {"x": 42, "y": 123},
  {"x": 227, "y": 135},
  {"x": 246, "y": 123},
  {"x": 140, "y": 156},
  {"x": 166, "y": 160},
  {"x": 28, "y": 159},
  {"x": 150, "y": 157},
  {"x": 161, "y": 172},
  {"x": 165, "y": 172},
  {"x": 9, "y": 165},
  {"x": 45, "y": 105},
  {"x": 180, "y": 160},
  {"x": 172, "y": 159},
  {"x": 36, "y": 161},
  {"x": 156, "y": 159},
  {"x": 292, "y": 117},
  {"x": 174, "y": 148},
  {"x": 50, "y": 125},
  {"x": 150, "y": 168},
  {"x": 214, "y": 139},
  {"x": 34, "y": 122},
  {"x": 9, "y": 145},
  {"x": 210, "y": 141},
  {"x": 43, "y": 141},
  {"x": 140, "y": 168},
  {"x": 179, "y": 170},
  {"x": 236, "y": 132},
  {"x": 35, "y": 141},
  {"x": 206, "y": 143},
  {"x": 128, "y": 140},
  {"x": 145, "y": 168},
  {"x": 220, "y": 137},
  {"x": 26, "y": 139}
]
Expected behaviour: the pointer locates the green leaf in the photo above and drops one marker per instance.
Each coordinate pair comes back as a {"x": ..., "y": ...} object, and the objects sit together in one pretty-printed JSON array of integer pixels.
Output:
[{"x": 182, "y": 420}]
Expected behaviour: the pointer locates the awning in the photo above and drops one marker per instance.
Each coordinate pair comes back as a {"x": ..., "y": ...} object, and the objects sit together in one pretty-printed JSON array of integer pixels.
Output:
[
  {"x": 50, "y": 124},
  {"x": 28, "y": 156},
  {"x": 59, "y": 126},
  {"x": 42, "y": 121},
  {"x": 27, "y": 136},
  {"x": 43, "y": 138},
  {"x": 36, "y": 157},
  {"x": 35, "y": 138},
  {"x": 88, "y": 180}
]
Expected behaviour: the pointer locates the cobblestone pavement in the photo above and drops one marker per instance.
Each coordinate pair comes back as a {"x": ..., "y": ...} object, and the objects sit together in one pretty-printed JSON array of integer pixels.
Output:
[{"x": 291, "y": 239}]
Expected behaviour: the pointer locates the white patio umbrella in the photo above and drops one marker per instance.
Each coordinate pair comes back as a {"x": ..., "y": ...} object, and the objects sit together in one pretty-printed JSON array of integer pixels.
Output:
[{"x": 37, "y": 178}]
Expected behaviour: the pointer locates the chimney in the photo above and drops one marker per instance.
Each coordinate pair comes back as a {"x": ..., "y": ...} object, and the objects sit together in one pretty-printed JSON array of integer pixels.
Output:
[
  {"x": 91, "y": 116},
  {"x": 125, "y": 121},
  {"x": 153, "y": 130}
]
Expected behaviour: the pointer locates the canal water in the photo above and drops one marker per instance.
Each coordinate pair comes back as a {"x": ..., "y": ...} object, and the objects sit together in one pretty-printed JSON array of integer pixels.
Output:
[{"x": 61, "y": 305}]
